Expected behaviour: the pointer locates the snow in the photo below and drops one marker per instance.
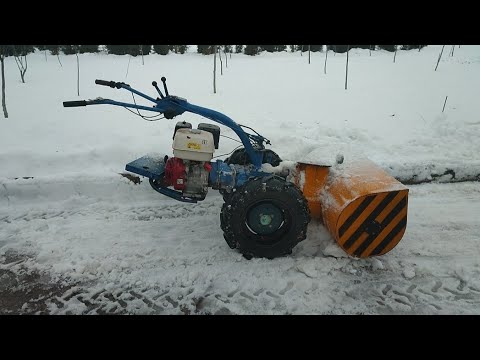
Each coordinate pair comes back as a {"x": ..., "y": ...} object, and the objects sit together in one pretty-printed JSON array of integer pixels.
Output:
[{"x": 118, "y": 247}]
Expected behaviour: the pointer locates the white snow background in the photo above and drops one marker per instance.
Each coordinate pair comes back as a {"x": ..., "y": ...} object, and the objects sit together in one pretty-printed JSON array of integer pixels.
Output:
[{"x": 122, "y": 248}]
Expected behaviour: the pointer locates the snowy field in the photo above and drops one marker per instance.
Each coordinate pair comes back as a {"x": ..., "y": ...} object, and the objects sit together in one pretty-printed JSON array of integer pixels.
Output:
[{"x": 77, "y": 238}]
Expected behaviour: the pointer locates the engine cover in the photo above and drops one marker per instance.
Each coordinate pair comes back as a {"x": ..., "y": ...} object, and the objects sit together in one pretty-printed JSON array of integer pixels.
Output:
[{"x": 193, "y": 144}]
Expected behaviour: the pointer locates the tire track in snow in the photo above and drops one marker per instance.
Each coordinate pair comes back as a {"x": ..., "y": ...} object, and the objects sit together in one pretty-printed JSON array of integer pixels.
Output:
[{"x": 164, "y": 268}]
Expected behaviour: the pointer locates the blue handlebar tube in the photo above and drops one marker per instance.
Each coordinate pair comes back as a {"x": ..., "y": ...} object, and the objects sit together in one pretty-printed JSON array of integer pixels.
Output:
[{"x": 173, "y": 106}]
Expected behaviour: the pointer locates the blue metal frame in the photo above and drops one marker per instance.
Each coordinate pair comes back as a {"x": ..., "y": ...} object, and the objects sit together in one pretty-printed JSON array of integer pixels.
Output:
[
  {"x": 173, "y": 106},
  {"x": 224, "y": 176}
]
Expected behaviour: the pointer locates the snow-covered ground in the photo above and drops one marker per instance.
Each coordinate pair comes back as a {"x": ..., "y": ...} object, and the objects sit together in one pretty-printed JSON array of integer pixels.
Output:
[{"x": 112, "y": 246}]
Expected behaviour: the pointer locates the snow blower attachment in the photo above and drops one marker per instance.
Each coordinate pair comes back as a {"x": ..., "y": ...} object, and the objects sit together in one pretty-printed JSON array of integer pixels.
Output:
[
  {"x": 264, "y": 214},
  {"x": 363, "y": 208}
]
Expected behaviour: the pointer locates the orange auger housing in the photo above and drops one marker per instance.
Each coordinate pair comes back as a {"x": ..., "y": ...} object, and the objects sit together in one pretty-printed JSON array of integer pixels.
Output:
[{"x": 363, "y": 207}]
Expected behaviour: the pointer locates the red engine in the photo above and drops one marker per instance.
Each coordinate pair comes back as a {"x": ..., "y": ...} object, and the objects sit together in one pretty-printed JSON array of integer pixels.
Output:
[{"x": 175, "y": 173}]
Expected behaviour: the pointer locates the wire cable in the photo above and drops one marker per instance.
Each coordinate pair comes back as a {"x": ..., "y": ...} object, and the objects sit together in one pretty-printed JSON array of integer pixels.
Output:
[
  {"x": 239, "y": 146},
  {"x": 228, "y": 137},
  {"x": 138, "y": 111},
  {"x": 143, "y": 117},
  {"x": 147, "y": 118}
]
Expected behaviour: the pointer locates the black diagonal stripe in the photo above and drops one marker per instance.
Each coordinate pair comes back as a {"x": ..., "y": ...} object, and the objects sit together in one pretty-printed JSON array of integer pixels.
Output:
[
  {"x": 351, "y": 219},
  {"x": 399, "y": 207},
  {"x": 390, "y": 236},
  {"x": 351, "y": 240}
]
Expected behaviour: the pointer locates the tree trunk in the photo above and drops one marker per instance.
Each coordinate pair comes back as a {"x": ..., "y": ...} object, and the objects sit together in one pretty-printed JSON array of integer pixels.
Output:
[
  {"x": 439, "y": 57},
  {"x": 453, "y": 50},
  {"x": 309, "y": 54},
  {"x": 78, "y": 75},
  {"x": 141, "y": 51},
  {"x": 346, "y": 69},
  {"x": 130, "y": 58},
  {"x": 301, "y": 51},
  {"x": 221, "y": 62},
  {"x": 325, "y": 67},
  {"x": 58, "y": 57},
  {"x": 370, "y": 49},
  {"x": 214, "y": 69},
  {"x": 4, "y": 105},
  {"x": 45, "y": 55},
  {"x": 394, "y": 56}
]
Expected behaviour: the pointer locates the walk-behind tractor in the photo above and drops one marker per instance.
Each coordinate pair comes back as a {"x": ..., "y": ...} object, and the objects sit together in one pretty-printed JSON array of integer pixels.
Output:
[{"x": 267, "y": 207}]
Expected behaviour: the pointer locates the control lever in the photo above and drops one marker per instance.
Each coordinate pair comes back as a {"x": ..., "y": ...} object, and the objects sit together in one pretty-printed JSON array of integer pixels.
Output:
[
  {"x": 154, "y": 83},
  {"x": 164, "y": 80}
]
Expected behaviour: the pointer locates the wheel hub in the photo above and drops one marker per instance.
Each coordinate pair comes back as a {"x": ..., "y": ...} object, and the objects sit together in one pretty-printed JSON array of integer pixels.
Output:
[{"x": 264, "y": 218}]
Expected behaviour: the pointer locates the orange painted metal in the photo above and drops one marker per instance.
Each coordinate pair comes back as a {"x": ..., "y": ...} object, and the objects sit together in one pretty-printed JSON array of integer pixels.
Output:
[{"x": 362, "y": 206}]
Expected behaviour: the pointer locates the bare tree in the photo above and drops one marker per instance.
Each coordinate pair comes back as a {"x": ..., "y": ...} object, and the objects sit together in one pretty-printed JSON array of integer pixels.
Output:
[
  {"x": 214, "y": 68},
  {"x": 58, "y": 57},
  {"x": 221, "y": 62},
  {"x": 22, "y": 63},
  {"x": 301, "y": 51},
  {"x": 2, "y": 58},
  {"x": 346, "y": 69},
  {"x": 395, "y": 55},
  {"x": 326, "y": 56},
  {"x": 45, "y": 55},
  {"x": 370, "y": 49},
  {"x": 309, "y": 54},
  {"x": 444, "y": 103},
  {"x": 439, "y": 57}
]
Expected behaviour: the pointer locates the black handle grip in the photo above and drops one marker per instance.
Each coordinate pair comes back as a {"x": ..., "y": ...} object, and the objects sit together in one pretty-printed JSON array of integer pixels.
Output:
[
  {"x": 112, "y": 84},
  {"x": 74, "y": 103},
  {"x": 164, "y": 80}
]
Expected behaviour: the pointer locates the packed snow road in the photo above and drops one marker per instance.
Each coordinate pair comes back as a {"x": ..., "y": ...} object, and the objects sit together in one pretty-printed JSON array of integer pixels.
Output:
[{"x": 108, "y": 246}]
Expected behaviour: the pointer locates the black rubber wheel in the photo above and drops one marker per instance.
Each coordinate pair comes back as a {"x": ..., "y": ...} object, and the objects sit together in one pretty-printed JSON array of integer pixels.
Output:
[
  {"x": 265, "y": 217},
  {"x": 240, "y": 157}
]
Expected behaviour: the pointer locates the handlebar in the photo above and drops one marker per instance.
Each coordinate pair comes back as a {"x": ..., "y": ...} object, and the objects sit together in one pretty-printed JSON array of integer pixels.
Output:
[
  {"x": 74, "y": 103},
  {"x": 112, "y": 84},
  {"x": 105, "y": 83}
]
